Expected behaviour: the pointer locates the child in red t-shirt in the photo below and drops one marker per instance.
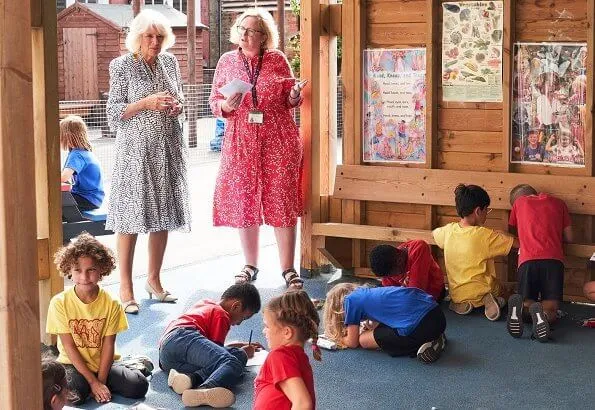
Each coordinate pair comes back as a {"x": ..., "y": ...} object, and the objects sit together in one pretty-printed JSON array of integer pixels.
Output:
[
  {"x": 542, "y": 222},
  {"x": 411, "y": 265},
  {"x": 191, "y": 349},
  {"x": 285, "y": 380}
]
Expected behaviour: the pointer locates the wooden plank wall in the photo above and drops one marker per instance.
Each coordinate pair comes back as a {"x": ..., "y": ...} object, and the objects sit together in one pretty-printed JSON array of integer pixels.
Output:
[{"x": 464, "y": 136}]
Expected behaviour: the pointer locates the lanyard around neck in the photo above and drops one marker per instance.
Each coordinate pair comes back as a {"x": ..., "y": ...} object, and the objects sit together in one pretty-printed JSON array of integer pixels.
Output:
[{"x": 253, "y": 76}]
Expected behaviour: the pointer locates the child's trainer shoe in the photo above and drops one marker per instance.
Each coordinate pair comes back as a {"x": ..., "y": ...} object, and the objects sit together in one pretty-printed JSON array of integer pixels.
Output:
[
  {"x": 514, "y": 321},
  {"x": 492, "y": 307},
  {"x": 217, "y": 397},
  {"x": 429, "y": 352},
  {"x": 463, "y": 308},
  {"x": 541, "y": 327},
  {"x": 179, "y": 382}
]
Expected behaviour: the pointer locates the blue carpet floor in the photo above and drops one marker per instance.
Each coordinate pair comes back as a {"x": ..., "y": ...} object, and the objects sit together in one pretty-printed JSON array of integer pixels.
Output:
[{"x": 482, "y": 367}]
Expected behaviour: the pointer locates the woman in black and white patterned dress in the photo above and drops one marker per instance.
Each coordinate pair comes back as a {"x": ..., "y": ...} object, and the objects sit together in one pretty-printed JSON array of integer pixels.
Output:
[{"x": 149, "y": 191}]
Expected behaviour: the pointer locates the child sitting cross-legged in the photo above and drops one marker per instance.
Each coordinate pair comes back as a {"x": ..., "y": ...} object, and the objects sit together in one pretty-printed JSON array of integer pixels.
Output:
[
  {"x": 469, "y": 252},
  {"x": 398, "y": 320},
  {"x": 543, "y": 223},
  {"x": 87, "y": 319},
  {"x": 192, "y": 349},
  {"x": 285, "y": 380},
  {"x": 411, "y": 264}
]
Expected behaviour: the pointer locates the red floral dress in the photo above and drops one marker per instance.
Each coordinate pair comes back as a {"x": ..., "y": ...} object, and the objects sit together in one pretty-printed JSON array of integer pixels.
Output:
[{"x": 261, "y": 164}]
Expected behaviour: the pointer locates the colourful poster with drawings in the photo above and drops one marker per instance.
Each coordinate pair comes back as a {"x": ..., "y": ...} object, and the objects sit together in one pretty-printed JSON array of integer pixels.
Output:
[
  {"x": 472, "y": 51},
  {"x": 549, "y": 104},
  {"x": 394, "y": 105}
]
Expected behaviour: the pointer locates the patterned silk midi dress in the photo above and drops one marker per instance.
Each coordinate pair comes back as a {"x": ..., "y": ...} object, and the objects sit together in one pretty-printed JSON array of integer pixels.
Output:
[
  {"x": 261, "y": 164},
  {"x": 149, "y": 190}
]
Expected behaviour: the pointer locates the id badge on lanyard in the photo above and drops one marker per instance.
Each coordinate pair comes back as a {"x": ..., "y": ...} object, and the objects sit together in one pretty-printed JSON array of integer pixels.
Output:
[{"x": 255, "y": 116}]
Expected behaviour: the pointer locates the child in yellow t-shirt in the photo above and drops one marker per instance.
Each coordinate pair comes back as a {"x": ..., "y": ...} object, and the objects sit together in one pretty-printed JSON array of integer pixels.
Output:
[
  {"x": 86, "y": 319},
  {"x": 469, "y": 252}
]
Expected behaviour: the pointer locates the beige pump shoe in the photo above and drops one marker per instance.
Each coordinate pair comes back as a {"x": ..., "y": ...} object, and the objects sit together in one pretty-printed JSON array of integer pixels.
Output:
[{"x": 164, "y": 296}]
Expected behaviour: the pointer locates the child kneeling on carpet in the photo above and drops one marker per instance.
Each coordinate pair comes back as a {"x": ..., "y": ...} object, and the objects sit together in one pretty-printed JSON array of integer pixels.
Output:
[
  {"x": 469, "y": 252},
  {"x": 542, "y": 222},
  {"x": 285, "y": 380},
  {"x": 400, "y": 321},
  {"x": 86, "y": 319},
  {"x": 411, "y": 264},
  {"x": 191, "y": 349}
]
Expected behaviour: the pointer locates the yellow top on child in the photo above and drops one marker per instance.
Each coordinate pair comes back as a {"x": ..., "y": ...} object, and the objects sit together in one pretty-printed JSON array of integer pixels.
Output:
[
  {"x": 469, "y": 254},
  {"x": 87, "y": 323}
]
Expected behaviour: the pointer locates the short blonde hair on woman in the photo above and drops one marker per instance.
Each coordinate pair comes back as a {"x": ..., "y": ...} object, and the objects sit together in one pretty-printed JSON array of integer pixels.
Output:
[
  {"x": 266, "y": 23},
  {"x": 142, "y": 23}
]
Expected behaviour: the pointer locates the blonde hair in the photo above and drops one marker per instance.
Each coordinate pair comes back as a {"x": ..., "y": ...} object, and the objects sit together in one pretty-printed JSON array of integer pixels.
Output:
[
  {"x": 521, "y": 190},
  {"x": 73, "y": 133},
  {"x": 140, "y": 25},
  {"x": 266, "y": 23},
  {"x": 295, "y": 309},
  {"x": 334, "y": 312}
]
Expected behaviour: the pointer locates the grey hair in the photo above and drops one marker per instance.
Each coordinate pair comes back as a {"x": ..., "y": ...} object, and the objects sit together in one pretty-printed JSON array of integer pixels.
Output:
[
  {"x": 146, "y": 19},
  {"x": 266, "y": 23}
]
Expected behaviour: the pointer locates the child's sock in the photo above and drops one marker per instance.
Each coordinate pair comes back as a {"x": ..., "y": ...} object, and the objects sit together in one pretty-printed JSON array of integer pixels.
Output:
[{"x": 216, "y": 397}]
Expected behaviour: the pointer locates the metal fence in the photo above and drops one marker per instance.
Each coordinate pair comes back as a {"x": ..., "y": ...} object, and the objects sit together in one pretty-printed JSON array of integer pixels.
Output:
[{"x": 197, "y": 106}]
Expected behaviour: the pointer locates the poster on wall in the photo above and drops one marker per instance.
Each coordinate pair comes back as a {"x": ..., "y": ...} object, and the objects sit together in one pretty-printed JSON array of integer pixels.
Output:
[
  {"x": 472, "y": 51},
  {"x": 394, "y": 105},
  {"x": 549, "y": 103}
]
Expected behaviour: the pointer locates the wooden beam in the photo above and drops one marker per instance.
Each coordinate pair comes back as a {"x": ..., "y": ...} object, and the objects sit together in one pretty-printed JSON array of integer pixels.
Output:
[
  {"x": 47, "y": 159},
  {"x": 391, "y": 234},
  {"x": 507, "y": 68},
  {"x": 19, "y": 303},
  {"x": 281, "y": 23},
  {"x": 310, "y": 125},
  {"x": 334, "y": 25},
  {"x": 436, "y": 186}
]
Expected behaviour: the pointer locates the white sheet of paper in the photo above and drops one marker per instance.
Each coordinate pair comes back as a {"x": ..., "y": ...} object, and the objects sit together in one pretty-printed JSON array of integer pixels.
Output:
[
  {"x": 258, "y": 359},
  {"x": 236, "y": 86}
]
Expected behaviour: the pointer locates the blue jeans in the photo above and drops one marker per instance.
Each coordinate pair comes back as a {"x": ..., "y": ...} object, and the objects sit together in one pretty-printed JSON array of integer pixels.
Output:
[{"x": 208, "y": 364}]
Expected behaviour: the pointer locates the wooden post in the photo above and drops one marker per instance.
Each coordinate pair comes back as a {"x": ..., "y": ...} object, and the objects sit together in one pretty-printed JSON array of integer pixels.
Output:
[
  {"x": 281, "y": 23},
  {"x": 47, "y": 159},
  {"x": 135, "y": 7},
  {"x": 20, "y": 381},
  {"x": 192, "y": 91},
  {"x": 310, "y": 126}
]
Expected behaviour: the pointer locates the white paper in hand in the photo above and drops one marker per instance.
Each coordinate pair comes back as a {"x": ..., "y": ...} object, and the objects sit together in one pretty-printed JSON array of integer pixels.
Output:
[
  {"x": 236, "y": 86},
  {"x": 258, "y": 359}
]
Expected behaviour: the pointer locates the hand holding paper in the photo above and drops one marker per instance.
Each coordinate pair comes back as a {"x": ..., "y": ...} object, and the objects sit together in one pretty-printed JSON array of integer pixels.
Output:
[{"x": 234, "y": 87}]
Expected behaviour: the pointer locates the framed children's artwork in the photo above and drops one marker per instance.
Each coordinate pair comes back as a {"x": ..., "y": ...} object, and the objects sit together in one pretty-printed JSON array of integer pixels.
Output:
[
  {"x": 472, "y": 51},
  {"x": 394, "y": 105},
  {"x": 549, "y": 104}
]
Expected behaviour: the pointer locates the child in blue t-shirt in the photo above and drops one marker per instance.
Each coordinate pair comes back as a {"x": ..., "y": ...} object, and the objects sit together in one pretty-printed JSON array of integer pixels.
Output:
[
  {"x": 400, "y": 321},
  {"x": 81, "y": 164}
]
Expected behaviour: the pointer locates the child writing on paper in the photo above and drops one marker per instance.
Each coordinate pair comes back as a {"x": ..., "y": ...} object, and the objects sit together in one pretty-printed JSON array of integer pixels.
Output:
[
  {"x": 400, "y": 321},
  {"x": 87, "y": 319},
  {"x": 81, "y": 164},
  {"x": 191, "y": 349},
  {"x": 469, "y": 252},
  {"x": 285, "y": 381}
]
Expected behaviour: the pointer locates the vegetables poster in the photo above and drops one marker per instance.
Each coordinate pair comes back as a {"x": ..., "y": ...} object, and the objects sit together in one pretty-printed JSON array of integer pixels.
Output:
[
  {"x": 472, "y": 51},
  {"x": 394, "y": 105}
]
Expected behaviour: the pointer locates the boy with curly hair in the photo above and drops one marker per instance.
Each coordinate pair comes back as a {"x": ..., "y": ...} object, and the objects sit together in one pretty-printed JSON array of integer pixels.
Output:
[{"x": 86, "y": 319}]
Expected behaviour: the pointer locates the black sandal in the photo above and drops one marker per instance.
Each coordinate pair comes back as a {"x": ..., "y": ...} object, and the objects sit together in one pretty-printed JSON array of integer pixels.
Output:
[
  {"x": 246, "y": 275},
  {"x": 292, "y": 279}
]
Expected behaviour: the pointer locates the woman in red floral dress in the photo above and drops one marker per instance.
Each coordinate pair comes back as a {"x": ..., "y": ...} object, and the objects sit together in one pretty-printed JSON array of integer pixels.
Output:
[{"x": 261, "y": 163}]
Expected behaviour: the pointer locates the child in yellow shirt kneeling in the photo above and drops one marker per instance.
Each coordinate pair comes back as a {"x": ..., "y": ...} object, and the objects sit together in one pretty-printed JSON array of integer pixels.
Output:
[{"x": 469, "y": 252}]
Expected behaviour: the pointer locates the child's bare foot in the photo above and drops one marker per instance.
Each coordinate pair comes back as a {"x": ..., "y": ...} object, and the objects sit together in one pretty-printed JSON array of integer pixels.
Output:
[
  {"x": 179, "y": 382},
  {"x": 217, "y": 397}
]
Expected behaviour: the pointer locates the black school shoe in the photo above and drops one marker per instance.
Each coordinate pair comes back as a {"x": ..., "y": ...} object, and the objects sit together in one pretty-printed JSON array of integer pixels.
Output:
[
  {"x": 429, "y": 352},
  {"x": 514, "y": 321},
  {"x": 541, "y": 327}
]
